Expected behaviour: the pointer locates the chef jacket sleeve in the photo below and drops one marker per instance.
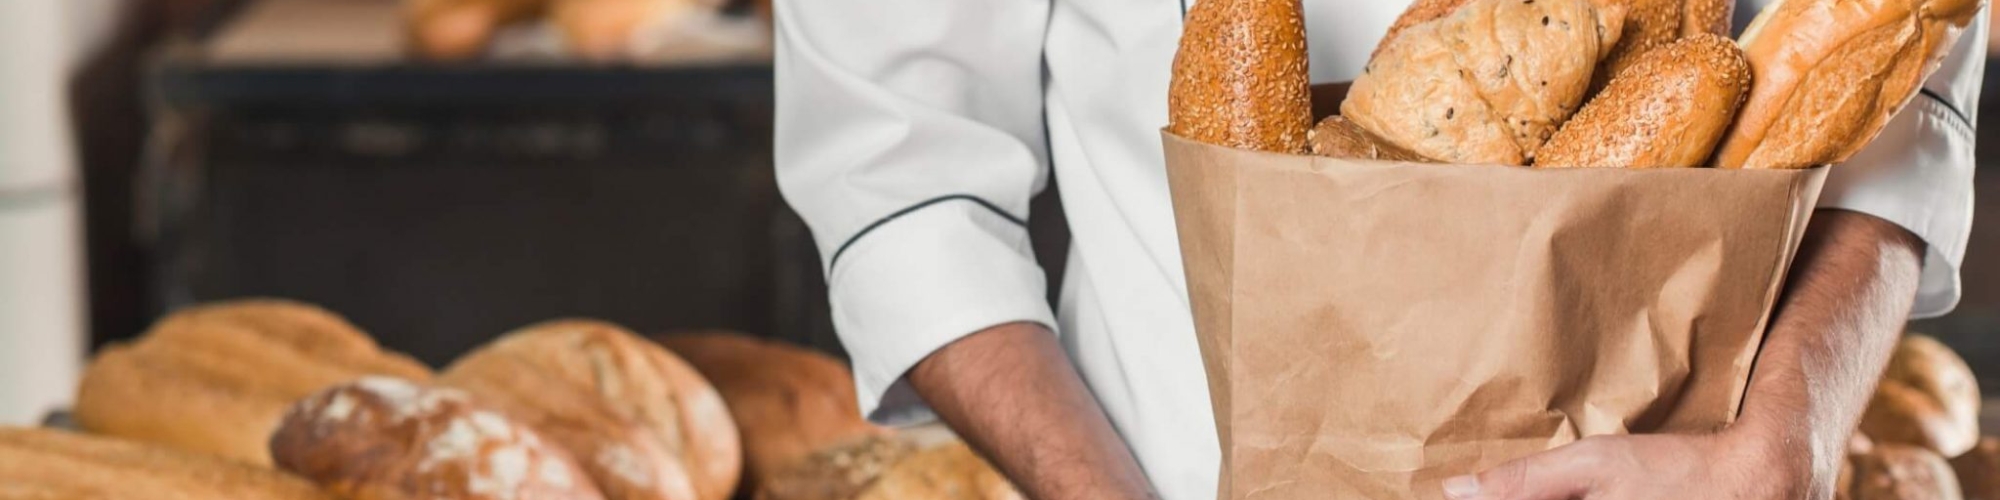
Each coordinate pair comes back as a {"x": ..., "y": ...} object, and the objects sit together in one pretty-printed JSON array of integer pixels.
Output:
[
  {"x": 909, "y": 136},
  {"x": 1918, "y": 173}
]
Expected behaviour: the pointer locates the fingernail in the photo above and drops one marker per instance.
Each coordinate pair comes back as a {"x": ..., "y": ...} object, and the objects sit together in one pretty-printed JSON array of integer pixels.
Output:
[{"x": 1462, "y": 487}]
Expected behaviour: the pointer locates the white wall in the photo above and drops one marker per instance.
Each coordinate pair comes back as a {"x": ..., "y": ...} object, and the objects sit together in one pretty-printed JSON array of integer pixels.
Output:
[{"x": 41, "y": 254}]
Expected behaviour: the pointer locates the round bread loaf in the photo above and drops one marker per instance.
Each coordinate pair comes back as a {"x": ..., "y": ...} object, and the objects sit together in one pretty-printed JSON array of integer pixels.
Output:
[
  {"x": 1239, "y": 78},
  {"x": 788, "y": 402},
  {"x": 1667, "y": 110},
  {"x": 1651, "y": 24},
  {"x": 1830, "y": 74},
  {"x": 1902, "y": 472},
  {"x": 52, "y": 464},
  {"x": 1487, "y": 84},
  {"x": 950, "y": 470},
  {"x": 1928, "y": 397},
  {"x": 838, "y": 472},
  {"x": 216, "y": 378},
  {"x": 382, "y": 438},
  {"x": 643, "y": 424},
  {"x": 1978, "y": 470}
]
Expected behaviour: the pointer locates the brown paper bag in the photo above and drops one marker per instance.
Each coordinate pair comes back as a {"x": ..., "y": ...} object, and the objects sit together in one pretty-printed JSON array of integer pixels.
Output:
[{"x": 1371, "y": 328}]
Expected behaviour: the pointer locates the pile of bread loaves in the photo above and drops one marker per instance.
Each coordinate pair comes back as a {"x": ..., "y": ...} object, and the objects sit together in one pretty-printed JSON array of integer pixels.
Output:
[
  {"x": 598, "y": 30},
  {"x": 1919, "y": 438},
  {"x": 1570, "y": 83},
  {"x": 276, "y": 399}
]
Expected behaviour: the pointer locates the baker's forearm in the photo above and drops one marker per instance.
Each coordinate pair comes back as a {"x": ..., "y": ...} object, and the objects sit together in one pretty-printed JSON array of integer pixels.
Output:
[
  {"x": 1844, "y": 305},
  {"x": 1011, "y": 392}
]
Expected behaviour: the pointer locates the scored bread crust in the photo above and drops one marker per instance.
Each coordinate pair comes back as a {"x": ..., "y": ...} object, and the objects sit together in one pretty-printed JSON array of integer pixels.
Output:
[
  {"x": 47, "y": 463},
  {"x": 1928, "y": 397},
  {"x": 1239, "y": 78},
  {"x": 1486, "y": 84},
  {"x": 382, "y": 438},
  {"x": 1829, "y": 75},
  {"x": 1668, "y": 110},
  {"x": 216, "y": 378},
  {"x": 642, "y": 422}
]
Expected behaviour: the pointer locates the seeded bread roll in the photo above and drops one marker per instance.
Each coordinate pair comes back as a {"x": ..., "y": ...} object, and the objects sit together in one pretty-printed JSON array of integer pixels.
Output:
[
  {"x": 1829, "y": 74},
  {"x": 641, "y": 422},
  {"x": 1902, "y": 472},
  {"x": 1239, "y": 78},
  {"x": 1928, "y": 398},
  {"x": 1667, "y": 110},
  {"x": 1487, "y": 84},
  {"x": 1978, "y": 470},
  {"x": 788, "y": 402},
  {"x": 384, "y": 438},
  {"x": 52, "y": 464},
  {"x": 1336, "y": 137},
  {"x": 1651, "y": 24},
  {"x": 216, "y": 378}
]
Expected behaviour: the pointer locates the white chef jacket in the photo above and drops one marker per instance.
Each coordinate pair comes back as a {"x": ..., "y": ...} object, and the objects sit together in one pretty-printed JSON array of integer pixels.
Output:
[{"x": 912, "y": 133}]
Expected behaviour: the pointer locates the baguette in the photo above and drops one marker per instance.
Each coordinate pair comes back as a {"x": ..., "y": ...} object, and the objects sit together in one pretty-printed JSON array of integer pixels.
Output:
[
  {"x": 1667, "y": 110},
  {"x": 1239, "y": 78},
  {"x": 1829, "y": 74}
]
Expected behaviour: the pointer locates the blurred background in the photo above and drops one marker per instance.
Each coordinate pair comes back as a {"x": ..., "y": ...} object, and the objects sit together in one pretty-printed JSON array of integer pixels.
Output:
[{"x": 441, "y": 171}]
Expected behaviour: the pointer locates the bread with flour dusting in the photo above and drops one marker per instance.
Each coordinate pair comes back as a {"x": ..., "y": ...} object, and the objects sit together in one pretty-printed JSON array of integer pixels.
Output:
[{"x": 382, "y": 438}]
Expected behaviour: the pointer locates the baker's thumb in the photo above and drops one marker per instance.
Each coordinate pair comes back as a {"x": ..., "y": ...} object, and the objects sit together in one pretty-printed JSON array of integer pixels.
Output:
[{"x": 1557, "y": 474}]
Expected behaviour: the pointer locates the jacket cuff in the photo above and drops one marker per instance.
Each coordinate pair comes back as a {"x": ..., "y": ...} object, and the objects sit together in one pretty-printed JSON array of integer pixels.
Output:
[
  {"x": 1918, "y": 175},
  {"x": 922, "y": 279}
]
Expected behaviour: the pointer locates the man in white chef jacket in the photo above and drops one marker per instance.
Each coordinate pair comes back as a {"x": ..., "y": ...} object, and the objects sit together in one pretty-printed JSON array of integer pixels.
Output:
[{"x": 912, "y": 133}]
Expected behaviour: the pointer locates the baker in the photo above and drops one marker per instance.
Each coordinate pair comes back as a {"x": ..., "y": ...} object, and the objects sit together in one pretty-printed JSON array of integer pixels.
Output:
[{"x": 911, "y": 135}]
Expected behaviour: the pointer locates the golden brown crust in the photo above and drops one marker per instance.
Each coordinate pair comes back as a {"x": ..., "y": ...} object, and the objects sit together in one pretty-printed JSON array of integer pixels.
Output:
[
  {"x": 841, "y": 471},
  {"x": 642, "y": 422},
  {"x": 216, "y": 378},
  {"x": 605, "y": 30},
  {"x": 1928, "y": 397},
  {"x": 950, "y": 470},
  {"x": 1668, "y": 110},
  {"x": 1651, "y": 24},
  {"x": 788, "y": 402},
  {"x": 1487, "y": 84},
  {"x": 1239, "y": 78},
  {"x": 43, "y": 463},
  {"x": 1829, "y": 75},
  {"x": 461, "y": 29},
  {"x": 1336, "y": 137},
  {"x": 1978, "y": 470},
  {"x": 1419, "y": 12},
  {"x": 1899, "y": 472},
  {"x": 382, "y": 438}
]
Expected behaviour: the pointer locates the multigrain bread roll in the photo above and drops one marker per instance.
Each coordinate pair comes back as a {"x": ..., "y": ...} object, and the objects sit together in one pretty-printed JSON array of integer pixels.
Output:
[
  {"x": 44, "y": 463},
  {"x": 642, "y": 423},
  {"x": 788, "y": 402},
  {"x": 1337, "y": 137},
  {"x": 1902, "y": 472},
  {"x": 1488, "y": 83},
  {"x": 1651, "y": 24},
  {"x": 606, "y": 30},
  {"x": 382, "y": 438},
  {"x": 1829, "y": 74},
  {"x": 1978, "y": 470},
  {"x": 1239, "y": 78},
  {"x": 1928, "y": 398},
  {"x": 1667, "y": 110},
  {"x": 216, "y": 378},
  {"x": 461, "y": 29}
]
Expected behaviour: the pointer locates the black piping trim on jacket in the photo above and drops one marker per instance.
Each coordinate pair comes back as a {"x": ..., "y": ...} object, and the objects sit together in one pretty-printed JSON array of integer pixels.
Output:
[
  {"x": 920, "y": 206},
  {"x": 1948, "y": 106}
]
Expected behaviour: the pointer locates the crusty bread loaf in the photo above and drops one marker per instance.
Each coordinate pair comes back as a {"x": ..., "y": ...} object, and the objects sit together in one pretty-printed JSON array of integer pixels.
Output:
[
  {"x": 644, "y": 424},
  {"x": 1488, "y": 83},
  {"x": 1239, "y": 78},
  {"x": 1902, "y": 472},
  {"x": 461, "y": 29},
  {"x": 608, "y": 30},
  {"x": 1667, "y": 110},
  {"x": 1928, "y": 398},
  {"x": 217, "y": 378},
  {"x": 838, "y": 472},
  {"x": 1651, "y": 24},
  {"x": 788, "y": 402},
  {"x": 947, "y": 471},
  {"x": 1829, "y": 74},
  {"x": 1419, "y": 12},
  {"x": 382, "y": 438},
  {"x": 44, "y": 463},
  {"x": 1978, "y": 470},
  {"x": 1337, "y": 137}
]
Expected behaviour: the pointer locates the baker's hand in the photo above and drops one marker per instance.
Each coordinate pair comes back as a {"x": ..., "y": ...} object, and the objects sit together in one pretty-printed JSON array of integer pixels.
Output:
[{"x": 1726, "y": 465}]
